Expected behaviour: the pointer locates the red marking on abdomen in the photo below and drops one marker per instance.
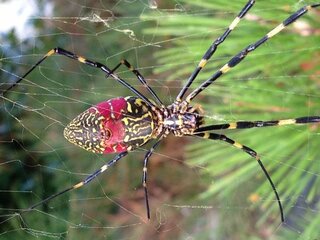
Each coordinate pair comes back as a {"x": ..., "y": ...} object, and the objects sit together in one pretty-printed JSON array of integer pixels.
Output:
[{"x": 112, "y": 110}]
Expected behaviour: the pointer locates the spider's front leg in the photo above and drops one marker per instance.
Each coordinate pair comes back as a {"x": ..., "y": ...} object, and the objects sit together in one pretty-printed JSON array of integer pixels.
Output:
[
  {"x": 249, "y": 49},
  {"x": 258, "y": 124},
  {"x": 212, "y": 49}
]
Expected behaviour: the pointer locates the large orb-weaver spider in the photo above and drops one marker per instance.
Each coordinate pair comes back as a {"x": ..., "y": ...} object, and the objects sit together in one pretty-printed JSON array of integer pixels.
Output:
[{"x": 122, "y": 124}]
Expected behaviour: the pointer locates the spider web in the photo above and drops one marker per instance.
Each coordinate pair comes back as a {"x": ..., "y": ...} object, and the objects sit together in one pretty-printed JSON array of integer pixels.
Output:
[{"x": 198, "y": 189}]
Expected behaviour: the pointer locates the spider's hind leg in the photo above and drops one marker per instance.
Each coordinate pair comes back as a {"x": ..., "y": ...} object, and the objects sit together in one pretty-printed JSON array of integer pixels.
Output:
[
  {"x": 82, "y": 183},
  {"x": 251, "y": 152},
  {"x": 144, "y": 177}
]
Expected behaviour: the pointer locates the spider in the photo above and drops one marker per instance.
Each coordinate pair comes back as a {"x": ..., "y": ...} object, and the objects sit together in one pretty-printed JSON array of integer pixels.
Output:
[{"x": 120, "y": 125}]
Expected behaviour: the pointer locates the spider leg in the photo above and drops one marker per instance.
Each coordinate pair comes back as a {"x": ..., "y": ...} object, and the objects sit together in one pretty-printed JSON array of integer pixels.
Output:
[
  {"x": 140, "y": 78},
  {"x": 213, "y": 48},
  {"x": 253, "y": 124},
  {"x": 251, "y": 152},
  {"x": 82, "y": 183},
  {"x": 144, "y": 177},
  {"x": 80, "y": 59},
  {"x": 242, "y": 54}
]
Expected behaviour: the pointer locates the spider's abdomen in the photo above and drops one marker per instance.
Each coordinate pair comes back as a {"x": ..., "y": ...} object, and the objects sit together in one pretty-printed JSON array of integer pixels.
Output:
[{"x": 117, "y": 125}]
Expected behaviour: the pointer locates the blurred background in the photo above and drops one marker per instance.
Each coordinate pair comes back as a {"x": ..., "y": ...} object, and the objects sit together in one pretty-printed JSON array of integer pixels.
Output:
[{"x": 197, "y": 189}]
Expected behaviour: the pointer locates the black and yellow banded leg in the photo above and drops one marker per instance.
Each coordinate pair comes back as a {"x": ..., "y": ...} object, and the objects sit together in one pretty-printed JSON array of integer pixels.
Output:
[
  {"x": 257, "y": 124},
  {"x": 140, "y": 78},
  {"x": 144, "y": 177},
  {"x": 242, "y": 54},
  {"x": 213, "y": 48},
  {"x": 80, "y": 59},
  {"x": 251, "y": 152},
  {"x": 82, "y": 183}
]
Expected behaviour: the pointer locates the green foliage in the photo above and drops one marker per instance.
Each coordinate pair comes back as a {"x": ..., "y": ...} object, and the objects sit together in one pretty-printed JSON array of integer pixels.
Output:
[{"x": 279, "y": 80}]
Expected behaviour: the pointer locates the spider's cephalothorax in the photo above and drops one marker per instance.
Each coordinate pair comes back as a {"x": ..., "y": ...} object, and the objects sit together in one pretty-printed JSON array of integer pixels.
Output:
[
  {"x": 122, "y": 124},
  {"x": 182, "y": 119}
]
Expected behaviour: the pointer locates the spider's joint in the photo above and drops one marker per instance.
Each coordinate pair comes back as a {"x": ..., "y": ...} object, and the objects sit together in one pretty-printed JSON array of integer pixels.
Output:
[
  {"x": 276, "y": 30},
  {"x": 225, "y": 68},
  {"x": 206, "y": 135},
  {"x": 81, "y": 59},
  {"x": 234, "y": 23},
  {"x": 103, "y": 168},
  {"x": 80, "y": 184},
  {"x": 51, "y": 52},
  {"x": 238, "y": 145},
  {"x": 232, "y": 125},
  {"x": 202, "y": 63},
  {"x": 286, "y": 122}
]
